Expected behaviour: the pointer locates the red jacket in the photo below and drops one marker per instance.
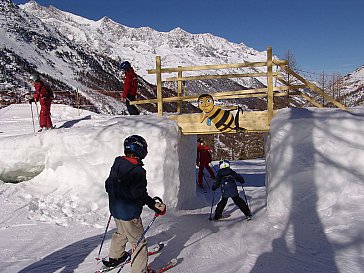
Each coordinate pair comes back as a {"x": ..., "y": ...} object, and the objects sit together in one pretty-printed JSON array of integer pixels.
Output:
[
  {"x": 130, "y": 83},
  {"x": 40, "y": 91},
  {"x": 203, "y": 155}
]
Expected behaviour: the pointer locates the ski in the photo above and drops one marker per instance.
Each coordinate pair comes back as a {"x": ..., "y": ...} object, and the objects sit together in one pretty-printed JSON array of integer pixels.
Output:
[
  {"x": 169, "y": 265},
  {"x": 155, "y": 250},
  {"x": 224, "y": 216}
]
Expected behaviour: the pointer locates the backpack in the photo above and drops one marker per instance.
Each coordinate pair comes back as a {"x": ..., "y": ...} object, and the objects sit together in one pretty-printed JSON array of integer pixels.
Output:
[{"x": 49, "y": 91}]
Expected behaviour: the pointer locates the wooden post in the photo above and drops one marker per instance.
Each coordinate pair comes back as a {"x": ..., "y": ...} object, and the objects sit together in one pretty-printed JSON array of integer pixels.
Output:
[
  {"x": 179, "y": 91},
  {"x": 159, "y": 86},
  {"x": 270, "y": 83}
]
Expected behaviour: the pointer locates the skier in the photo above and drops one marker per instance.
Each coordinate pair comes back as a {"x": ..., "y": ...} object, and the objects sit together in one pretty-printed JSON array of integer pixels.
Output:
[
  {"x": 44, "y": 95},
  {"x": 203, "y": 160},
  {"x": 130, "y": 87},
  {"x": 127, "y": 191},
  {"x": 226, "y": 179}
]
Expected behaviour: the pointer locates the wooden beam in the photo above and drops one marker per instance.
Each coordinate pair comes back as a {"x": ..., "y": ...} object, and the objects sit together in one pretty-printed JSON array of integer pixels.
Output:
[
  {"x": 262, "y": 92},
  {"x": 159, "y": 86},
  {"x": 210, "y": 77},
  {"x": 253, "y": 121},
  {"x": 179, "y": 91},
  {"x": 313, "y": 87},
  {"x": 270, "y": 83},
  {"x": 207, "y": 67},
  {"x": 294, "y": 87}
]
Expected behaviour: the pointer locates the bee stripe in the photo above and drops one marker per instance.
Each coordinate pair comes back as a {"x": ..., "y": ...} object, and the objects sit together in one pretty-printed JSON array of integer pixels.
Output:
[
  {"x": 221, "y": 123},
  {"x": 215, "y": 114}
]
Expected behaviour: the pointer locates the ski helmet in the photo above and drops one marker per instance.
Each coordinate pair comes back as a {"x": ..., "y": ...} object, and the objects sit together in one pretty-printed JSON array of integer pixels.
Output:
[
  {"x": 224, "y": 164},
  {"x": 125, "y": 65},
  {"x": 137, "y": 145},
  {"x": 34, "y": 77}
]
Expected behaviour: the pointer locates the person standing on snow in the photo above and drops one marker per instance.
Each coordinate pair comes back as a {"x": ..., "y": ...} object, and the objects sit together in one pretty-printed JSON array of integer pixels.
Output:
[
  {"x": 226, "y": 179},
  {"x": 130, "y": 87},
  {"x": 203, "y": 160},
  {"x": 127, "y": 191},
  {"x": 44, "y": 95}
]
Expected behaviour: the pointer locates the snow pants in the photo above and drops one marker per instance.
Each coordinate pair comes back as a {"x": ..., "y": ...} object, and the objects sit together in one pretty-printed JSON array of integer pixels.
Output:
[
  {"x": 200, "y": 172},
  {"x": 45, "y": 113},
  {"x": 130, "y": 231},
  {"x": 237, "y": 200}
]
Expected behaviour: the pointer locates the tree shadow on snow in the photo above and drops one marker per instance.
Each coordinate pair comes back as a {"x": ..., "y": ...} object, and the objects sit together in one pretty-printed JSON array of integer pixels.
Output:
[{"x": 311, "y": 248}]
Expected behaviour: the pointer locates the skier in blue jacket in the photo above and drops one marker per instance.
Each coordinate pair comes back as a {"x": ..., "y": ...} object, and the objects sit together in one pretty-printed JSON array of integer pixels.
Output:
[
  {"x": 127, "y": 190},
  {"x": 226, "y": 179}
]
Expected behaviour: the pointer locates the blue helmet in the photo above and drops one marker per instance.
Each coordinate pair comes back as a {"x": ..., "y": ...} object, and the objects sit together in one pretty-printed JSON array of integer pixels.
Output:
[
  {"x": 223, "y": 163},
  {"x": 125, "y": 65},
  {"x": 137, "y": 145}
]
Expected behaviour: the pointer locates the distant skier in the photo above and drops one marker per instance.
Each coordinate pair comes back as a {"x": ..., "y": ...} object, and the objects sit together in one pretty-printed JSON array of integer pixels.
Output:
[
  {"x": 226, "y": 179},
  {"x": 203, "y": 160},
  {"x": 127, "y": 190},
  {"x": 44, "y": 95},
  {"x": 130, "y": 87}
]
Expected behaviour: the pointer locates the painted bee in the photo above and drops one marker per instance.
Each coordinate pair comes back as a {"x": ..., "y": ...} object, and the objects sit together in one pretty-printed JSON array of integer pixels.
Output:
[{"x": 223, "y": 119}]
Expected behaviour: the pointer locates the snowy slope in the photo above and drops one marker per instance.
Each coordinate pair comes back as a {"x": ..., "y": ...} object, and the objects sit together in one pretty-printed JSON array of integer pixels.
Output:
[
  {"x": 313, "y": 222},
  {"x": 141, "y": 45}
]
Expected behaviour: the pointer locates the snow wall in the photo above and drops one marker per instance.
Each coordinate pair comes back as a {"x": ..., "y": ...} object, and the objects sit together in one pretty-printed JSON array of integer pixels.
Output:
[
  {"x": 312, "y": 162},
  {"x": 53, "y": 162}
]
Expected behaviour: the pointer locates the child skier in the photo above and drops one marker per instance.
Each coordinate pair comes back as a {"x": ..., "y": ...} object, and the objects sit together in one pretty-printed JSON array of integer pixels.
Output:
[
  {"x": 203, "y": 160},
  {"x": 127, "y": 190},
  {"x": 226, "y": 179}
]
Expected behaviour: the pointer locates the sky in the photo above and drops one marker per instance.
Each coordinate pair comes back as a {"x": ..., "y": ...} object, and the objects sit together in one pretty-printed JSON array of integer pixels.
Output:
[
  {"x": 306, "y": 196},
  {"x": 323, "y": 36}
]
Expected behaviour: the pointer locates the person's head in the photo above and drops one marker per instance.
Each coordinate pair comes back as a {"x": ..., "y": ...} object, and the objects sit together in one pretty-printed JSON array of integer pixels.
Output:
[
  {"x": 136, "y": 145},
  {"x": 125, "y": 66},
  {"x": 200, "y": 140},
  {"x": 34, "y": 78},
  {"x": 223, "y": 163}
]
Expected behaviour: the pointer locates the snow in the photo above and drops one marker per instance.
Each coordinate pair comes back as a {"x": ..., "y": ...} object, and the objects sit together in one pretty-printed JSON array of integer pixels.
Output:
[{"x": 306, "y": 195}]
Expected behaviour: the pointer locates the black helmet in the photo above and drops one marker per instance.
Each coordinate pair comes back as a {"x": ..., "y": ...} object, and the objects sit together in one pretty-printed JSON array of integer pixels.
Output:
[
  {"x": 125, "y": 65},
  {"x": 34, "y": 77},
  {"x": 137, "y": 145},
  {"x": 200, "y": 140},
  {"x": 223, "y": 163}
]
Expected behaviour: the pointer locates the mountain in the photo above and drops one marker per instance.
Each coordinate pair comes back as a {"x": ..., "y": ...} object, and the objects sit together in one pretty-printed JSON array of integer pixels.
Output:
[
  {"x": 352, "y": 93},
  {"x": 79, "y": 59}
]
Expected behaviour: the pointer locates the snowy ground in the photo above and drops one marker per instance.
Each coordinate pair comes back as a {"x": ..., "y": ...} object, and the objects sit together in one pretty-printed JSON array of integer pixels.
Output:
[{"x": 312, "y": 220}]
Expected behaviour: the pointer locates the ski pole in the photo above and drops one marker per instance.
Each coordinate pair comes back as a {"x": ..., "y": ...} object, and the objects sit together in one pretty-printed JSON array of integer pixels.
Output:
[
  {"x": 246, "y": 200},
  {"x": 103, "y": 239},
  {"x": 31, "y": 110},
  {"x": 212, "y": 204},
  {"x": 36, "y": 105},
  {"x": 138, "y": 242},
  {"x": 213, "y": 167}
]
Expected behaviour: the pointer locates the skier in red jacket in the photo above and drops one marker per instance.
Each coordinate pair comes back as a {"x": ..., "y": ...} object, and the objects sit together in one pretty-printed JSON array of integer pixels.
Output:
[
  {"x": 44, "y": 96},
  {"x": 203, "y": 160},
  {"x": 130, "y": 87}
]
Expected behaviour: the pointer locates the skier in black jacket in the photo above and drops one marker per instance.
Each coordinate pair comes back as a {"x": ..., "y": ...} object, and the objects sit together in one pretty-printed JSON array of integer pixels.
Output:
[
  {"x": 127, "y": 190},
  {"x": 226, "y": 179}
]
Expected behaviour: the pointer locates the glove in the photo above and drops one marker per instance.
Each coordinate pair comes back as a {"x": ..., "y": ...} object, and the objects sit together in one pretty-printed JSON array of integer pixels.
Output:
[{"x": 160, "y": 209}]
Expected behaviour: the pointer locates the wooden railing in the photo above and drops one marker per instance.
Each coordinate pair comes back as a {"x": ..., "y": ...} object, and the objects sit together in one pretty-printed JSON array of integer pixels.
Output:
[{"x": 256, "y": 121}]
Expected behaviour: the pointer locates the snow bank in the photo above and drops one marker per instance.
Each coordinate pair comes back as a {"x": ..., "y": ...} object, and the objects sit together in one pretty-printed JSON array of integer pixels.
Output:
[
  {"x": 315, "y": 161},
  {"x": 63, "y": 170}
]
